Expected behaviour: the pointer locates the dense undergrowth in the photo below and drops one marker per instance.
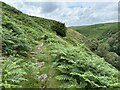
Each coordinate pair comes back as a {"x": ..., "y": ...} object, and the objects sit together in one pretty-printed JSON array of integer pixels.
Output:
[
  {"x": 79, "y": 68},
  {"x": 42, "y": 53}
]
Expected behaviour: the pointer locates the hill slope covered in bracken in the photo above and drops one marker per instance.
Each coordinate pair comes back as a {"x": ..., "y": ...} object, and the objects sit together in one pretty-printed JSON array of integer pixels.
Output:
[{"x": 43, "y": 53}]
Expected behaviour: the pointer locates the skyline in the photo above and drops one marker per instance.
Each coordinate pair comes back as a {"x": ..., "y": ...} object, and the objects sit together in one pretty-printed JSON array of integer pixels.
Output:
[{"x": 70, "y": 13}]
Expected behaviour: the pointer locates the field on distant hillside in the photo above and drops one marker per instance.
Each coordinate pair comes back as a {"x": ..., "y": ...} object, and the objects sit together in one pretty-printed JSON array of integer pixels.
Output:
[{"x": 95, "y": 31}]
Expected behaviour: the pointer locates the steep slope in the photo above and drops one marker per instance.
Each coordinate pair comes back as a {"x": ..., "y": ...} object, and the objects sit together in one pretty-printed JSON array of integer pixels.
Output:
[
  {"x": 104, "y": 40},
  {"x": 26, "y": 28},
  {"x": 41, "y": 53}
]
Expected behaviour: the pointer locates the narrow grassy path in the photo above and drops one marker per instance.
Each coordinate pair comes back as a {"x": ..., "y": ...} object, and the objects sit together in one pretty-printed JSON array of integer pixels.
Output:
[{"x": 47, "y": 73}]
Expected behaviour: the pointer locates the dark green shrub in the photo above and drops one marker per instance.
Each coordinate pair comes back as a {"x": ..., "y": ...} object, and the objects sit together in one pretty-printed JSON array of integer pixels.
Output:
[
  {"x": 102, "y": 49},
  {"x": 92, "y": 44},
  {"x": 113, "y": 59},
  {"x": 59, "y": 28}
]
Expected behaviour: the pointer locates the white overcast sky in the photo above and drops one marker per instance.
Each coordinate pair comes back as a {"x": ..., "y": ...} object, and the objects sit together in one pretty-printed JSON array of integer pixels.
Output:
[{"x": 70, "y": 12}]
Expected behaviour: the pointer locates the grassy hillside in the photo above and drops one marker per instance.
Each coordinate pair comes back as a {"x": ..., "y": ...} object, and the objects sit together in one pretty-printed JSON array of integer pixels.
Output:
[
  {"x": 94, "y": 31},
  {"x": 104, "y": 40},
  {"x": 42, "y": 53}
]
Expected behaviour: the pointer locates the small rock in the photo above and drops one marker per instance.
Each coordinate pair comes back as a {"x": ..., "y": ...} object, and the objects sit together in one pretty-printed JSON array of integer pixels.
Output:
[
  {"x": 43, "y": 77},
  {"x": 40, "y": 63},
  {"x": 41, "y": 44}
]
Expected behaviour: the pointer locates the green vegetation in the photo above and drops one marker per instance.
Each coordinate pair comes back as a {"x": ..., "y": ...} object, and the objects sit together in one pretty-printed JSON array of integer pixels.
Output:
[
  {"x": 103, "y": 41},
  {"x": 43, "y": 53},
  {"x": 94, "y": 31}
]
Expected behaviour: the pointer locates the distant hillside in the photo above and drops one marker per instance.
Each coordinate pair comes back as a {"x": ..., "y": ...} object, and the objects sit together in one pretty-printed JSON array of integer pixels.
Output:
[
  {"x": 95, "y": 31},
  {"x": 43, "y": 53},
  {"x": 104, "y": 40}
]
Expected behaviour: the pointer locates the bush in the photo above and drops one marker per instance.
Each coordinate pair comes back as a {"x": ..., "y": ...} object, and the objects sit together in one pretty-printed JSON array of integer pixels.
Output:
[
  {"x": 92, "y": 44},
  {"x": 113, "y": 59},
  {"x": 102, "y": 49},
  {"x": 59, "y": 28}
]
